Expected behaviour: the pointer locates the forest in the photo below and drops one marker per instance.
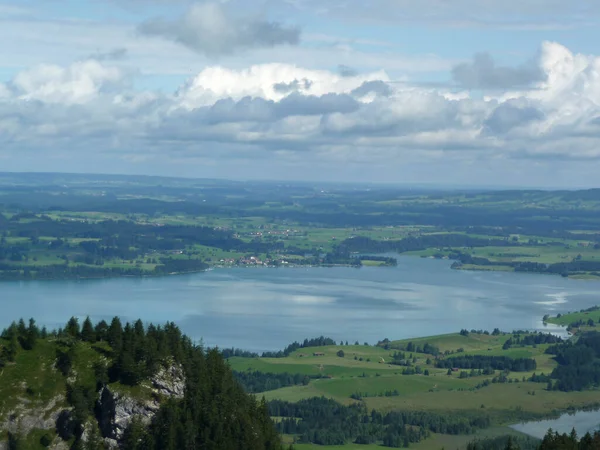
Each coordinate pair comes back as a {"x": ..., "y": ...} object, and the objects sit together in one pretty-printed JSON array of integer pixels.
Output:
[
  {"x": 326, "y": 422},
  {"x": 214, "y": 413},
  {"x": 255, "y": 381},
  {"x": 579, "y": 363},
  {"x": 316, "y": 342},
  {"x": 482, "y": 362}
]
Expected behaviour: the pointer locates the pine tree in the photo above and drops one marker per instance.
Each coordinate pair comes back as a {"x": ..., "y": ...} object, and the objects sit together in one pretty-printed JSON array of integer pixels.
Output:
[
  {"x": 22, "y": 329},
  {"x": 87, "y": 331},
  {"x": 72, "y": 328},
  {"x": 10, "y": 351},
  {"x": 31, "y": 336},
  {"x": 115, "y": 334}
]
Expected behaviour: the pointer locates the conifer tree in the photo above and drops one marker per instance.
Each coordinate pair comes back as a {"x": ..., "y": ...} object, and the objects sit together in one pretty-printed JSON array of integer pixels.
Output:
[
  {"x": 31, "y": 335},
  {"x": 72, "y": 328},
  {"x": 87, "y": 331},
  {"x": 101, "y": 331},
  {"x": 115, "y": 334}
]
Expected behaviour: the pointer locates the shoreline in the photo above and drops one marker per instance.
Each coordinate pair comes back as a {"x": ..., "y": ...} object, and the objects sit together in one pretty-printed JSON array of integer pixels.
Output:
[
  {"x": 161, "y": 275},
  {"x": 455, "y": 265}
]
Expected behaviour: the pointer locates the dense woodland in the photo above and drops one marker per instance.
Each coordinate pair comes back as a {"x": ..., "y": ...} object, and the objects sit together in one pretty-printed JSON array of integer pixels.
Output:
[
  {"x": 254, "y": 381},
  {"x": 562, "y": 268},
  {"x": 505, "y": 443},
  {"x": 316, "y": 342},
  {"x": 215, "y": 412},
  {"x": 579, "y": 363},
  {"x": 487, "y": 362},
  {"x": 556, "y": 441},
  {"x": 326, "y": 422}
]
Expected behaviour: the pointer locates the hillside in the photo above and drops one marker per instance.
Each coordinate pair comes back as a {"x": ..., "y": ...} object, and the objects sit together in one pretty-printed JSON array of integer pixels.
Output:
[{"x": 122, "y": 386}]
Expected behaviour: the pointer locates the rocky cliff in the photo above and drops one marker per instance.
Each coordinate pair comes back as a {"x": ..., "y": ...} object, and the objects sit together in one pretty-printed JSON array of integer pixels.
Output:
[{"x": 114, "y": 410}]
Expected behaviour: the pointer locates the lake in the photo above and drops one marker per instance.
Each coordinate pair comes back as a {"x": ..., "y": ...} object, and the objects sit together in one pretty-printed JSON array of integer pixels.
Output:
[
  {"x": 582, "y": 421},
  {"x": 265, "y": 309}
]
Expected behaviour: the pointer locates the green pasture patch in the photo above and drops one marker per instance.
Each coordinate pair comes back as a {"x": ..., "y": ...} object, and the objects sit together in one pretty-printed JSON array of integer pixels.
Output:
[
  {"x": 569, "y": 318},
  {"x": 455, "y": 341},
  {"x": 503, "y": 400}
]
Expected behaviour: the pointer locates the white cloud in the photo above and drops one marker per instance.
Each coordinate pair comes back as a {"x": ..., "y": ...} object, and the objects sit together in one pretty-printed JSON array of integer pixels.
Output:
[
  {"x": 262, "y": 80},
  {"x": 323, "y": 119},
  {"x": 79, "y": 83}
]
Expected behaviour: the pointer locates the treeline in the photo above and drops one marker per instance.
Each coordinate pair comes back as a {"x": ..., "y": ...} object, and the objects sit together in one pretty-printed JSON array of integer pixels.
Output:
[
  {"x": 555, "y": 441},
  {"x": 316, "y": 342},
  {"x": 579, "y": 363},
  {"x": 215, "y": 412},
  {"x": 361, "y": 395},
  {"x": 487, "y": 362},
  {"x": 580, "y": 323},
  {"x": 413, "y": 243},
  {"x": 325, "y": 422},
  {"x": 426, "y": 348},
  {"x": 231, "y": 352},
  {"x": 563, "y": 268},
  {"x": 519, "y": 340},
  {"x": 505, "y": 443},
  {"x": 19, "y": 336},
  {"x": 255, "y": 381},
  {"x": 66, "y": 271}
]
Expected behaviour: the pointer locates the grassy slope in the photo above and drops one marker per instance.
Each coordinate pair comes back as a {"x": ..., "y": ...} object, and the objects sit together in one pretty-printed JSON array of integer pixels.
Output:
[
  {"x": 32, "y": 382},
  {"x": 566, "y": 319},
  {"x": 454, "y": 341},
  {"x": 437, "y": 392}
]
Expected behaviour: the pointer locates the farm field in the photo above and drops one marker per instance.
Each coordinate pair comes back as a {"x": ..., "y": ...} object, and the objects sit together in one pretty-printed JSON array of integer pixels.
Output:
[
  {"x": 96, "y": 226},
  {"x": 364, "y": 375},
  {"x": 592, "y": 314},
  {"x": 344, "y": 376}
]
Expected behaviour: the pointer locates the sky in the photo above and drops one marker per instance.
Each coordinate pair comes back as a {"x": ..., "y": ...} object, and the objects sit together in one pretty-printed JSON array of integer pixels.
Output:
[{"x": 469, "y": 92}]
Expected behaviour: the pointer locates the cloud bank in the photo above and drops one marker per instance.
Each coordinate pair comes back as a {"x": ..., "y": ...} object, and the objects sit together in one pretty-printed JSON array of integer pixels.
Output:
[{"x": 286, "y": 114}]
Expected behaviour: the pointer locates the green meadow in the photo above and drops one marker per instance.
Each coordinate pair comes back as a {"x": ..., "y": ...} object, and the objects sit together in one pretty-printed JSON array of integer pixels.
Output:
[{"x": 438, "y": 391}]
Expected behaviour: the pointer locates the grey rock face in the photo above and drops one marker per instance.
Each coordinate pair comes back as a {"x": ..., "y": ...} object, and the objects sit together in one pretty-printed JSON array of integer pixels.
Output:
[
  {"x": 115, "y": 411},
  {"x": 24, "y": 418},
  {"x": 169, "y": 382}
]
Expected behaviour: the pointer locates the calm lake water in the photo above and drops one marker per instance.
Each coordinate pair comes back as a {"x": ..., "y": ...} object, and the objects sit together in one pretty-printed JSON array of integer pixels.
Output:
[
  {"x": 265, "y": 309},
  {"x": 582, "y": 421}
]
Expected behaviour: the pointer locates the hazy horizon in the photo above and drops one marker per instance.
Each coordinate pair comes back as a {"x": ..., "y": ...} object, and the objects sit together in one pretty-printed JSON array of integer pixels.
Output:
[{"x": 347, "y": 184}]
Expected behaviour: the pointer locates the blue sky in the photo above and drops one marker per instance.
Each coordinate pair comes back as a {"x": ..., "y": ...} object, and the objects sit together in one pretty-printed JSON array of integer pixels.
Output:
[{"x": 462, "y": 92}]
